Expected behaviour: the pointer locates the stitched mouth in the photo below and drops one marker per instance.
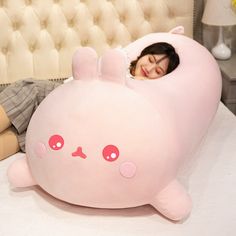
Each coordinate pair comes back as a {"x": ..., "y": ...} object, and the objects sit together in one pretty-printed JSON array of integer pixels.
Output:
[{"x": 79, "y": 153}]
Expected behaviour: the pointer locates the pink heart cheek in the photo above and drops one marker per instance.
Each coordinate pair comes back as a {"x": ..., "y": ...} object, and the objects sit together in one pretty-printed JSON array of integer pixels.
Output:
[
  {"x": 128, "y": 169},
  {"x": 40, "y": 150}
]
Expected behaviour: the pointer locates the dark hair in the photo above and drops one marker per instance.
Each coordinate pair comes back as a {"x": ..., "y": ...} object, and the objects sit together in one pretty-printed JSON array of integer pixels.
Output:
[{"x": 159, "y": 48}]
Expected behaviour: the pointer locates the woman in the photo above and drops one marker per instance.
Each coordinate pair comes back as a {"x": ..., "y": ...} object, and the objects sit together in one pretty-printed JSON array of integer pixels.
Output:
[
  {"x": 19, "y": 100},
  {"x": 155, "y": 61}
]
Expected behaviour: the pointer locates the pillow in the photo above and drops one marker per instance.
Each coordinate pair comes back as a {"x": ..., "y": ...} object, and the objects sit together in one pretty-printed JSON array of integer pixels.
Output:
[{"x": 108, "y": 141}]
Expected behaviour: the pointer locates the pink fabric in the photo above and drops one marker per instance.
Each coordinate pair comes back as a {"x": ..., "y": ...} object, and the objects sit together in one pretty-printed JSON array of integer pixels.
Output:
[{"x": 135, "y": 134}]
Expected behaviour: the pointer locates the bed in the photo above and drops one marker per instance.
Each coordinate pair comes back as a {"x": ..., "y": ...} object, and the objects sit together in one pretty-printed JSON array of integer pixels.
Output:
[{"x": 37, "y": 40}]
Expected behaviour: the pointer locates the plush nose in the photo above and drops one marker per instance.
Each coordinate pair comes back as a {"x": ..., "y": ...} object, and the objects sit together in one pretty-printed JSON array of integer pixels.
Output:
[{"x": 79, "y": 153}]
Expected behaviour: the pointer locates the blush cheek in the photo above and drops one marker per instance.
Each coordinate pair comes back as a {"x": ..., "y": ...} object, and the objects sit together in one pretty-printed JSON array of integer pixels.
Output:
[
  {"x": 128, "y": 169},
  {"x": 40, "y": 150}
]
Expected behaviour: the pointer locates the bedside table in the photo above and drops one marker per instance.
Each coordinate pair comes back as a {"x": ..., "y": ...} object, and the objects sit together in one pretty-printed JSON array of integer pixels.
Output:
[{"x": 228, "y": 71}]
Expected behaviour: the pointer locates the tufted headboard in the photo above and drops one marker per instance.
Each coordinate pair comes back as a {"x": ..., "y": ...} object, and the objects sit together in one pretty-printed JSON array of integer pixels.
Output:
[{"x": 38, "y": 37}]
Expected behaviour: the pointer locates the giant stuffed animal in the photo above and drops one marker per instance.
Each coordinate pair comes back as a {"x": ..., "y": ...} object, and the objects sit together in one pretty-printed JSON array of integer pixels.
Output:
[{"x": 108, "y": 141}]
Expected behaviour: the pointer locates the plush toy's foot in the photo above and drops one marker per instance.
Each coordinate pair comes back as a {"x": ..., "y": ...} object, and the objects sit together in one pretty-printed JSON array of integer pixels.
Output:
[
  {"x": 19, "y": 174},
  {"x": 173, "y": 202}
]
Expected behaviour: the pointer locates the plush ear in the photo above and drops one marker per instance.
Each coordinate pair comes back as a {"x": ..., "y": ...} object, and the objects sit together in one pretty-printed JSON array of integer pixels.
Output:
[
  {"x": 84, "y": 63},
  {"x": 177, "y": 30},
  {"x": 113, "y": 66}
]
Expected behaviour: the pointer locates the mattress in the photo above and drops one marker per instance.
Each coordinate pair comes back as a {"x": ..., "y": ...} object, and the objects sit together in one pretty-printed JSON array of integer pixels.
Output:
[{"x": 209, "y": 176}]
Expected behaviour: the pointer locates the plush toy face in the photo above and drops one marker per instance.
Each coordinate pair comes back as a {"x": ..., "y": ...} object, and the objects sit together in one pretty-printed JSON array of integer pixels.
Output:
[{"x": 82, "y": 149}]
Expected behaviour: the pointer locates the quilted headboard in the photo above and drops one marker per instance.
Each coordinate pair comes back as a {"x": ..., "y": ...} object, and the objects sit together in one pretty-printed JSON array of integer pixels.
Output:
[{"x": 38, "y": 37}]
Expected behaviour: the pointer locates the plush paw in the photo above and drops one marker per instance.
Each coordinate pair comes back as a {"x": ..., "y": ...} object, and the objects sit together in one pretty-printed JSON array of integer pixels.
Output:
[
  {"x": 173, "y": 202},
  {"x": 19, "y": 174}
]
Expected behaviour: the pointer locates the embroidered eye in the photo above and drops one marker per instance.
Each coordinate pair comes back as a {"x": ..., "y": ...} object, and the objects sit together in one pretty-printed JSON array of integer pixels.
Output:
[
  {"x": 56, "y": 142},
  {"x": 110, "y": 153}
]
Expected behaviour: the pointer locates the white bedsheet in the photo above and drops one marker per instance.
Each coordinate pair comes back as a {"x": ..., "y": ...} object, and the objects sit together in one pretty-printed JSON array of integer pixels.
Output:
[{"x": 210, "y": 178}]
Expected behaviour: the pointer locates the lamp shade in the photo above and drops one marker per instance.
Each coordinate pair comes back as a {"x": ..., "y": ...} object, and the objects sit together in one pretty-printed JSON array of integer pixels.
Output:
[{"x": 219, "y": 13}]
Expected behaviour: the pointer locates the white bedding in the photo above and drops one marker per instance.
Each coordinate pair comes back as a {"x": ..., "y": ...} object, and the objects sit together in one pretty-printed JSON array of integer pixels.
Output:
[{"x": 210, "y": 178}]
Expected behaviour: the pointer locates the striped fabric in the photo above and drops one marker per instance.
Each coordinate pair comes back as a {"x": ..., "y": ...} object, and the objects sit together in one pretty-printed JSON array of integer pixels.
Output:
[{"x": 20, "y": 100}]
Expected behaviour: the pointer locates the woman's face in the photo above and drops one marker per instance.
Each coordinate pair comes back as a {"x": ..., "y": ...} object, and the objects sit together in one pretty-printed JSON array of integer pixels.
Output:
[{"x": 151, "y": 66}]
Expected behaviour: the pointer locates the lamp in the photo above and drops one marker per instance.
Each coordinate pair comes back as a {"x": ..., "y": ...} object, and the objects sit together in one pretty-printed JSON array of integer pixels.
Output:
[{"x": 219, "y": 13}]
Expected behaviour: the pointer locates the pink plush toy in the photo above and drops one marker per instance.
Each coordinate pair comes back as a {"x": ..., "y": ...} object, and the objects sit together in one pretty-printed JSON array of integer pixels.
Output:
[{"x": 107, "y": 141}]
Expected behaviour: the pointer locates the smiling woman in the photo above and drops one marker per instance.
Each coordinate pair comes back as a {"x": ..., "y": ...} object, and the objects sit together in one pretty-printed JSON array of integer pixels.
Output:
[{"x": 155, "y": 61}]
